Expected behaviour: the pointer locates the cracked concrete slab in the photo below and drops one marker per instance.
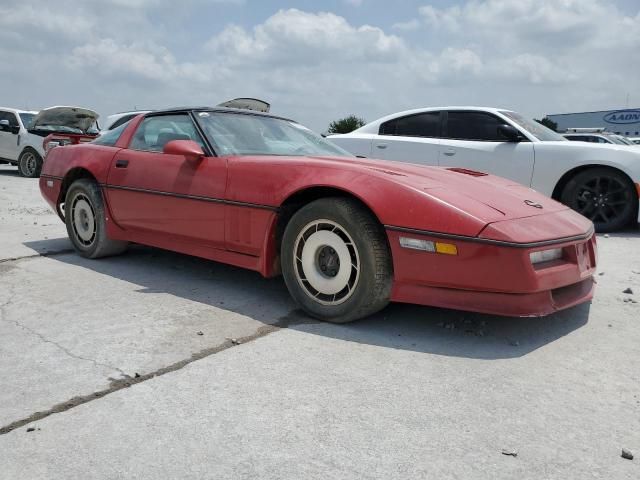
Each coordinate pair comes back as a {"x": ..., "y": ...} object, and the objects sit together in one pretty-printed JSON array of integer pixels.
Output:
[
  {"x": 72, "y": 326},
  {"x": 131, "y": 314},
  {"x": 369, "y": 400}
]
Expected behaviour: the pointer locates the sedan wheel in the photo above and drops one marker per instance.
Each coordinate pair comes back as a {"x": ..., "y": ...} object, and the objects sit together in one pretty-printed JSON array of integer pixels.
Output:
[
  {"x": 336, "y": 261},
  {"x": 604, "y": 196}
]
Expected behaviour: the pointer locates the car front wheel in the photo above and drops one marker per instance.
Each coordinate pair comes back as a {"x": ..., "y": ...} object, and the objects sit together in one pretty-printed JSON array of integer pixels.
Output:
[
  {"x": 29, "y": 163},
  {"x": 603, "y": 195},
  {"x": 84, "y": 216},
  {"x": 336, "y": 261}
]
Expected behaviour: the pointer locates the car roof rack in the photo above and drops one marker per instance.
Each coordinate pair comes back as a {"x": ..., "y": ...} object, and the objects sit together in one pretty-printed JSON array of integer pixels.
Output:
[{"x": 587, "y": 130}]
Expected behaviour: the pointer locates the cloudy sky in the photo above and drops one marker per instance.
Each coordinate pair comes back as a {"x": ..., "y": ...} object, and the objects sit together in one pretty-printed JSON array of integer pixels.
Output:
[{"x": 316, "y": 61}]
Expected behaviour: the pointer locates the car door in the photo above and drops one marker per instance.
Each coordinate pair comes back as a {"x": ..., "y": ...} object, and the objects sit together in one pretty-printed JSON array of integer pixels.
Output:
[
  {"x": 165, "y": 195},
  {"x": 471, "y": 140},
  {"x": 412, "y": 138},
  {"x": 8, "y": 139}
]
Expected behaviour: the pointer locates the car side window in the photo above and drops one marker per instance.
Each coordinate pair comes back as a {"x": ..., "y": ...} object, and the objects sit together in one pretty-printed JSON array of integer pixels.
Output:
[
  {"x": 13, "y": 120},
  {"x": 155, "y": 132},
  {"x": 110, "y": 137},
  {"x": 480, "y": 126},
  {"x": 425, "y": 124}
]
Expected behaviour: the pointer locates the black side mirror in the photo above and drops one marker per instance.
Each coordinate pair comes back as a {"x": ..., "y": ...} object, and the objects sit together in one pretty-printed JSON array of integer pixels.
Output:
[
  {"x": 511, "y": 133},
  {"x": 15, "y": 129}
]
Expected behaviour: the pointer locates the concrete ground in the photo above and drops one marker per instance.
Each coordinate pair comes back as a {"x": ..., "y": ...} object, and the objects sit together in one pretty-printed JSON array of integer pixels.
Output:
[{"x": 158, "y": 365}]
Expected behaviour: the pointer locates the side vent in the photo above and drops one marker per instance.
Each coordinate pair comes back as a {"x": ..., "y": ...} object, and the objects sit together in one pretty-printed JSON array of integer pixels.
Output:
[
  {"x": 389, "y": 172},
  {"x": 466, "y": 171}
]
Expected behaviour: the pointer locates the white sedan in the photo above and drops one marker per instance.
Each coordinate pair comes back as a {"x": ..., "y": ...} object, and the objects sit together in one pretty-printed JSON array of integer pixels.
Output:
[{"x": 602, "y": 182}]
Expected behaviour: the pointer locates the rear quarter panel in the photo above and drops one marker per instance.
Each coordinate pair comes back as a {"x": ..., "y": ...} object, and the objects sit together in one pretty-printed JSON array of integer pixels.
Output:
[{"x": 94, "y": 158}]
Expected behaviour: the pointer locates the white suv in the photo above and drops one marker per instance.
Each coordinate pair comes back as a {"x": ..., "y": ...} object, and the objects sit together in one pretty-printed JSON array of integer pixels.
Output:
[
  {"x": 17, "y": 145},
  {"x": 22, "y": 134},
  {"x": 602, "y": 182}
]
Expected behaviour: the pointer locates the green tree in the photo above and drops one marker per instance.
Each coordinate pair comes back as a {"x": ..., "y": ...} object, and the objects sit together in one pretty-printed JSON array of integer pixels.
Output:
[
  {"x": 346, "y": 124},
  {"x": 547, "y": 122}
]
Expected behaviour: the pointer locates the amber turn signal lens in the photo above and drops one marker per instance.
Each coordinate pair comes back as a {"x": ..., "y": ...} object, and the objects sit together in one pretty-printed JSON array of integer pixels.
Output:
[{"x": 446, "y": 248}]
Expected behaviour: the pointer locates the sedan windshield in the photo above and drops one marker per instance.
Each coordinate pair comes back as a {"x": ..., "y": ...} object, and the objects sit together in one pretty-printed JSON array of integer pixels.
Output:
[
  {"x": 622, "y": 140},
  {"x": 250, "y": 134},
  {"x": 534, "y": 128}
]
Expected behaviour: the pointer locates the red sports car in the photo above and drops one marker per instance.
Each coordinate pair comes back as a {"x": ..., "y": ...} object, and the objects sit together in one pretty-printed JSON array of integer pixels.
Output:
[{"x": 348, "y": 234}]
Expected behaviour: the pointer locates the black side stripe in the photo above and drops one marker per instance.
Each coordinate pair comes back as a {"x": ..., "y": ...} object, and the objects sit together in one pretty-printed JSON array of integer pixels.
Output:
[
  {"x": 192, "y": 197},
  {"x": 52, "y": 177},
  {"x": 488, "y": 241}
]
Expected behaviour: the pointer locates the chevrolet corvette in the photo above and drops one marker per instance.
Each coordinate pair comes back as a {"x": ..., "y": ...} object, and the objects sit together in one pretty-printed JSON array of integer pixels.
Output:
[{"x": 348, "y": 235}]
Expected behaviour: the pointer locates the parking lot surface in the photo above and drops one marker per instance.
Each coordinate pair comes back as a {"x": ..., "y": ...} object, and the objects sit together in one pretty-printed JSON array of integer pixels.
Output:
[{"x": 159, "y": 365}]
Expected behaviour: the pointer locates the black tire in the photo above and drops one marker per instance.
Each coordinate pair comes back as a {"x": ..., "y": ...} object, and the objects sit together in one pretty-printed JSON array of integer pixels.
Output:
[
  {"x": 29, "y": 163},
  {"x": 367, "y": 288},
  {"x": 85, "y": 220},
  {"x": 604, "y": 195}
]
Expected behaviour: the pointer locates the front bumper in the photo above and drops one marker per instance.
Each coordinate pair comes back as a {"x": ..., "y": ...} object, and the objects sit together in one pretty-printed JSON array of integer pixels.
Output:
[{"x": 494, "y": 278}]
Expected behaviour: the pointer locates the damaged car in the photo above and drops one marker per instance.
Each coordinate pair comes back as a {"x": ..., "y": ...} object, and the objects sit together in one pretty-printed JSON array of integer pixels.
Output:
[{"x": 25, "y": 136}]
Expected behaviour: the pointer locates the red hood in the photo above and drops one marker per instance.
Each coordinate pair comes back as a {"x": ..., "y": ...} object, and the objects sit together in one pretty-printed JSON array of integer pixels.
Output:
[{"x": 494, "y": 199}]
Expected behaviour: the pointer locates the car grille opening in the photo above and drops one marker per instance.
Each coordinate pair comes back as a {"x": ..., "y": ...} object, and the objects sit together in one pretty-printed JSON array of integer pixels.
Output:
[{"x": 570, "y": 293}]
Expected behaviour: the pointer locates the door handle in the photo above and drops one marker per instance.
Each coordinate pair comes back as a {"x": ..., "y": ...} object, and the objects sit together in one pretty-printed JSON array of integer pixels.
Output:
[
  {"x": 450, "y": 152},
  {"x": 122, "y": 163},
  {"x": 381, "y": 146}
]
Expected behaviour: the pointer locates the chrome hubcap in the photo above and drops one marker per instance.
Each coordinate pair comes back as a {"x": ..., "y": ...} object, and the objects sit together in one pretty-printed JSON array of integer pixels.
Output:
[
  {"x": 83, "y": 220},
  {"x": 326, "y": 262}
]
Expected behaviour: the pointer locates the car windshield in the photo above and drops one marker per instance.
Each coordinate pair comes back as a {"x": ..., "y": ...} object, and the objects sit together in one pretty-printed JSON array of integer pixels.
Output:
[
  {"x": 27, "y": 119},
  {"x": 536, "y": 129},
  {"x": 621, "y": 140},
  {"x": 250, "y": 134}
]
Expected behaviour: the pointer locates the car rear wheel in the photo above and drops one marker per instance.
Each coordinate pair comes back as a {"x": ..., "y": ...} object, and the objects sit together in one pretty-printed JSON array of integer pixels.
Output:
[
  {"x": 336, "y": 261},
  {"x": 85, "y": 220},
  {"x": 603, "y": 195},
  {"x": 29, "y": 163}
]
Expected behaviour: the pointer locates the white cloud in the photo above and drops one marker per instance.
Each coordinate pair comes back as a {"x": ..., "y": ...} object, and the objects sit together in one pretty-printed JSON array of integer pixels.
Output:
[
  {"x": 23, "y": 18},
  {"x": 147, "y": 60},
  {"x": 409, "y": 25},
  {"x": 296, "y": 37},
  {"x": 530, "y": 23}
]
